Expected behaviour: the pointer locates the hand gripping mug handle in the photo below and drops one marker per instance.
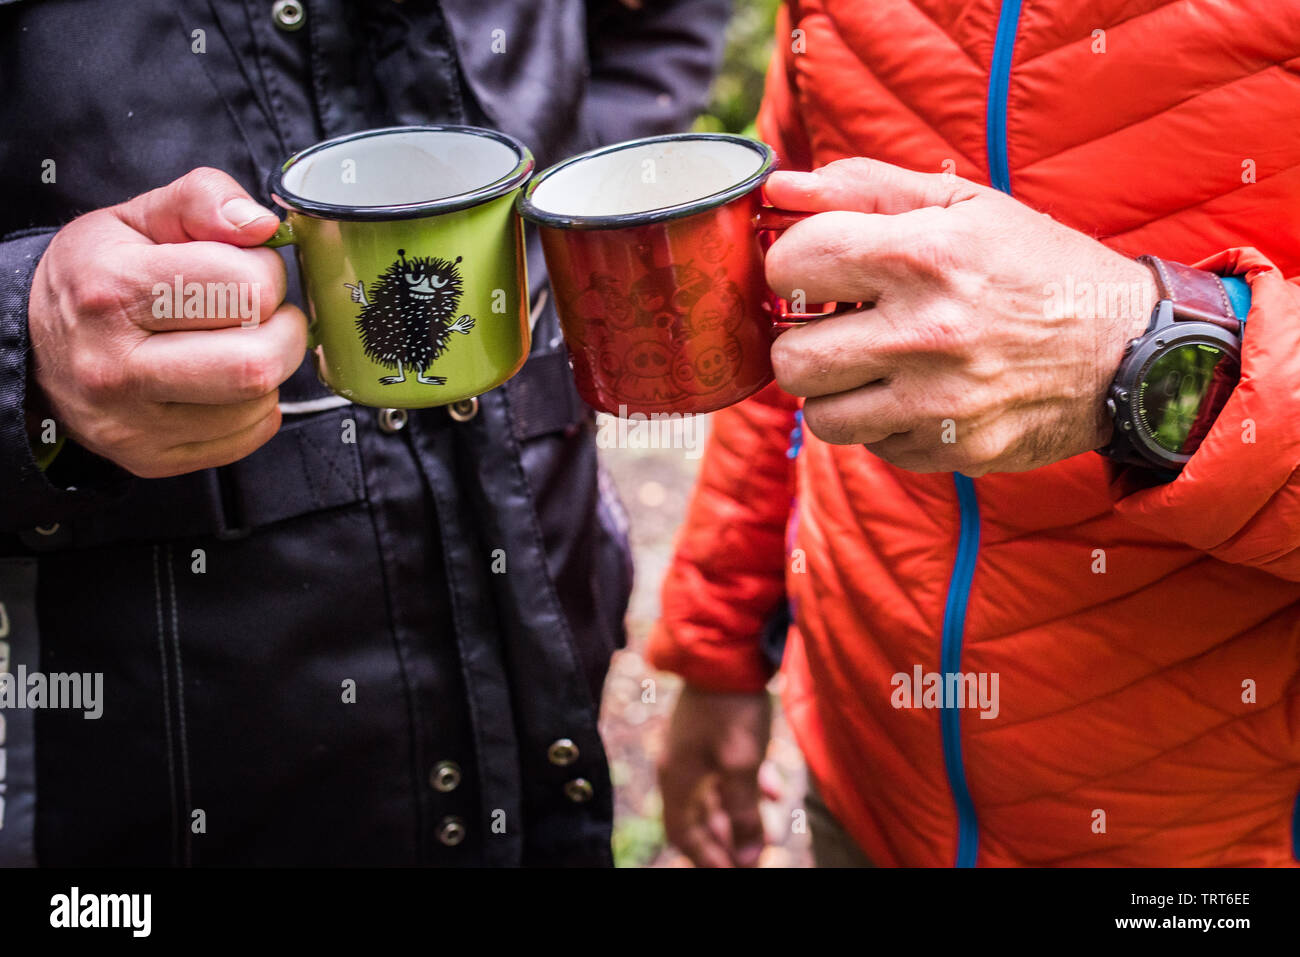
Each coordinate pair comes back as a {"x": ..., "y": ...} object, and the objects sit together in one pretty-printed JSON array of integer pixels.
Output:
[
  {"x": 283, "y": 236},
  {"x": 771, "y": 219}
]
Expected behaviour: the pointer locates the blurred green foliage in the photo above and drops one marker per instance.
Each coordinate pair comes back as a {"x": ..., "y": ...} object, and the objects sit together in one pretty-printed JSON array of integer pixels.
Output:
[
  {"x": 739, "y": 85},
  {"x": 638, "y": 840}
]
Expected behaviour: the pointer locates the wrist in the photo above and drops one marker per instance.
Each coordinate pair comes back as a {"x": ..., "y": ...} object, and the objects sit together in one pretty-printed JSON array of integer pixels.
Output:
[
  {"x": 44, "y": 435},
  {"x": 1128, "y": 309},
  {"x": 1125, "y": 302}
]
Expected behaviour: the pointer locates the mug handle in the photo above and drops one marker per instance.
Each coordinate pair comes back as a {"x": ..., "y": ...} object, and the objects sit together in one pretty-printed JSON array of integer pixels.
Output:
[
  {"x": 772, "y": 219},
  {"x": 283, "y": 236}
]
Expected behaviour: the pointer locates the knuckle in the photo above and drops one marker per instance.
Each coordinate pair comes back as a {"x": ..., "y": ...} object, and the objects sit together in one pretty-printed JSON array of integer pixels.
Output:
[
  {"x": 944, "y": 327},
  {"x": 255, "y": 375},
  {"x": 100, "y": 381},
  {"x": 831, "y": 422},
  {"x": 118, "y": 441},
  {"x": 982, "y": 450},
  {"x": 860, "y": 165},
  {"x": 943, "y": 249},
  {"x": 269, "y": 271},
  {"x": 779, "y": 266},
  {"x": 795, "y": 357},
  {"x": 77, "y": 232},
  {"x": 203, "y": 179},
  {"x": 100, "y": 294},
  {"x": 816, "y": 251},
  {"x": 785, "y": 358},
  {"x": 268, "y": 279},
  {"x": 834, "y": 235}
]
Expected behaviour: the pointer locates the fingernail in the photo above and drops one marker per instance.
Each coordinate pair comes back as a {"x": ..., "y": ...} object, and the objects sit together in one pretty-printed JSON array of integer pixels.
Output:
[{"x": 242, "y": 211}]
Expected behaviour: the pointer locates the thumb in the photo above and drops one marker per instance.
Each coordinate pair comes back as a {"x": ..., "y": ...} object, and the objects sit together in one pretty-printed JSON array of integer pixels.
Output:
[
  {"x": 203, "y": 205},
  {"x": 864, "y": 185}
]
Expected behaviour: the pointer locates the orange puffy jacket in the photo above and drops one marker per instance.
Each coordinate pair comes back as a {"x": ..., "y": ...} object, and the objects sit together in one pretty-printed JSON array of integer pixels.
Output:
[{"x": 1145, "y": 638}]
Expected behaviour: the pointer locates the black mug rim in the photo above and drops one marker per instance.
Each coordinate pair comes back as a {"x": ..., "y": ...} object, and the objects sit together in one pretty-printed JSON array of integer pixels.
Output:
[
  {"x": 530, "y": 211},
  {"x": 291, "y": 201}
]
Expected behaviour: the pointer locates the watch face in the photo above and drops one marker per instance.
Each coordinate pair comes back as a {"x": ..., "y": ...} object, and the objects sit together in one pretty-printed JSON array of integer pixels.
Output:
[{"x": 1182, "y": 392}]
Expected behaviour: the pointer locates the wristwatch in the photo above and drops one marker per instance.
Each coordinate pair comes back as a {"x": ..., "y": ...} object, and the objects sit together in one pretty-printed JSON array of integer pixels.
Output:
[{"x": 1175, "y": 378}]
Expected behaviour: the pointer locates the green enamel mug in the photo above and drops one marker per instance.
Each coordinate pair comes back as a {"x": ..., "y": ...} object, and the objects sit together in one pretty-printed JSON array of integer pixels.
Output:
[{"x": 412, "y": 261}]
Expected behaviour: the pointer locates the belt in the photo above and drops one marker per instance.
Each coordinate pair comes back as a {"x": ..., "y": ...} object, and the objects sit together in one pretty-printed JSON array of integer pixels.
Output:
[{"x": 305, "y": 467}]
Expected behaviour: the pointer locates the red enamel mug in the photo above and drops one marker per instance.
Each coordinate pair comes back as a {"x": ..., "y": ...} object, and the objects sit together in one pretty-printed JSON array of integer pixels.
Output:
[{"x": 655, "y": 253}]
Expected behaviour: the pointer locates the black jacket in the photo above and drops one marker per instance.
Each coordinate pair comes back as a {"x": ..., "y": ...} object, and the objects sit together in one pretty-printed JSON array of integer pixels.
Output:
[{"x": 230, "y": 610}]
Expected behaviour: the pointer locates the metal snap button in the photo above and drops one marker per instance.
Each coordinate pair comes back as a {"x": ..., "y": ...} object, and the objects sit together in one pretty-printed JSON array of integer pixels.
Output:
[
  {"x": 579, "y": 790},
  {"x": 562, "y": 753},
  {"x": 289, "y": 14},
  {"x": 464, "y": 410},
  {"x": 392, "y": 420},
  {"x": 451, "y": 831},
  {"x": 445, "y": 776}
]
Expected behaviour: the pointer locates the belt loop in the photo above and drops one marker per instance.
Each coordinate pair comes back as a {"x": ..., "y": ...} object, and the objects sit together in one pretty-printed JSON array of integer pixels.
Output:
[{"x": 223, "y": 502}]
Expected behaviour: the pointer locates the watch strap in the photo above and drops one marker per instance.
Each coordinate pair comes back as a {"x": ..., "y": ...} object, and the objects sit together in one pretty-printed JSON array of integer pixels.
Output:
[{"x": 1196, "y": 294}]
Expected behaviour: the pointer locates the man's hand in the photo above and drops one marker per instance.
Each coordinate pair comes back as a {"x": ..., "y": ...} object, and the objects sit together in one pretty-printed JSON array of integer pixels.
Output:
[
  {"x": 708, "y": 774},
  {"x": 995, "y": 332},
  {"x": 126, "y": 372}
]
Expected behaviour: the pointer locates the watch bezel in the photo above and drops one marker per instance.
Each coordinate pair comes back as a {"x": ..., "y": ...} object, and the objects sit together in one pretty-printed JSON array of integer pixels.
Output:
[{"x": 1125, "y": 391}]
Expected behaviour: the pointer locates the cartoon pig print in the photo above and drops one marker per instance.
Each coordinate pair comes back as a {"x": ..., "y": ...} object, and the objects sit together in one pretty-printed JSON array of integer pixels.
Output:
[{"x": 708, "y": 365}]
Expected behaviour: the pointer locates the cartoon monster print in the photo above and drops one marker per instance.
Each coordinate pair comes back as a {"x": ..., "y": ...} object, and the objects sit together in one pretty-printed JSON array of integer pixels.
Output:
[{"x": 407, "y": 319}]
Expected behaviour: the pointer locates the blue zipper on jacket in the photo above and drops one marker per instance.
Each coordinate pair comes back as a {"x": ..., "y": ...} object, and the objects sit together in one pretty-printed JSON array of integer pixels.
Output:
[
  {"x": 999, "y": 80},
  {"x": 954, "y": 623},
  {"x": 968, "y": 538}
]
